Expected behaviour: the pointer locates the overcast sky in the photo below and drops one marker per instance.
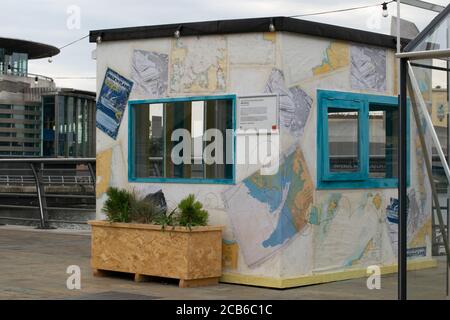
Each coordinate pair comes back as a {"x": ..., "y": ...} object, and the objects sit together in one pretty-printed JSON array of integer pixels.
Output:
[{"x": 46, "y": 21}]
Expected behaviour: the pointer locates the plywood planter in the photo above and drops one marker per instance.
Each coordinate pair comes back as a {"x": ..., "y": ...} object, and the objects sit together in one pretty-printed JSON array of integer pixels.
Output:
[{"x": 193, "y": 256}]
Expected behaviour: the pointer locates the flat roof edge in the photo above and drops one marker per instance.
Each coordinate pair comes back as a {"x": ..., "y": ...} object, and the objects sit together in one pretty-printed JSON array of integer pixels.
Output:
[
  {"x": 35, "y": 50},
  {"x": 281, "y": 24}
]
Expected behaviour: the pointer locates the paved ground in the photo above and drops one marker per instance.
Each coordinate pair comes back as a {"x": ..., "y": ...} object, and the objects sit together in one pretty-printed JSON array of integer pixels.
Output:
[{"x": 33, "y": 265}]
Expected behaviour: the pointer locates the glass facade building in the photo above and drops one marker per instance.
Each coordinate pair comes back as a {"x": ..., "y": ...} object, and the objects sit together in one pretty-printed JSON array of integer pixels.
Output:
[
  {"x": 13, "y": 63},
  {"x": 68, "y": 126},
  {"x": 20, "y": 130},
  {"x": 36, "y": 118}
]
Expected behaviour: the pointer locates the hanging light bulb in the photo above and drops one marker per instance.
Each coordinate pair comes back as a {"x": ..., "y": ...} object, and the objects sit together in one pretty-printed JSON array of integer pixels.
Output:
[
  {"x": 177, "y": 33},
  {"x": 385, "y": 10},
  {"x": 271, "y": 26},
  {"x": 50, "y": 60}
]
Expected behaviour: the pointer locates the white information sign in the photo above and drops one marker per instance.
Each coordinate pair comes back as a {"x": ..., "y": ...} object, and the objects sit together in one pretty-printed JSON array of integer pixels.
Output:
[{"x": 258, "y": 112}]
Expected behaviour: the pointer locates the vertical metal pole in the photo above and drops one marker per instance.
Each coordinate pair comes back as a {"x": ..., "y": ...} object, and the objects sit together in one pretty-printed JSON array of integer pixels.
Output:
[
  {"x": 92, "y": 173},
  {"x": 448, "y": 239},
  {"x": 448, "y": 159},
  {"x": 448, "y": 182},
  {"x": 41, "y": 197},
  {"x": 398, "y": 43},
  {"x": 57, "y": 126},
  {"x": 402, "y": 191}
]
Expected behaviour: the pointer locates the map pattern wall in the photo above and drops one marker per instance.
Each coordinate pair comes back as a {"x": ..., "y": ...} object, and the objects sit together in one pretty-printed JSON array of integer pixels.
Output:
[{"x": 280, "y": 225}]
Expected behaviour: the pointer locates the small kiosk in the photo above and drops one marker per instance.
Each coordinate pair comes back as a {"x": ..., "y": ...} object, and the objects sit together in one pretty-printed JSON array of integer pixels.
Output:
[{"x": 323, "y": 97}]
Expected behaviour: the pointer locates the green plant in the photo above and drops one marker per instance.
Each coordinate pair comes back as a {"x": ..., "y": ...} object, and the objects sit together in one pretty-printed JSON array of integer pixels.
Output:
[
  {"x": 144, "y": 211},
  {"x": 117, "y": 206},
  {"x": 170, "y": 219},
  {"x": 192, "y": 212}
]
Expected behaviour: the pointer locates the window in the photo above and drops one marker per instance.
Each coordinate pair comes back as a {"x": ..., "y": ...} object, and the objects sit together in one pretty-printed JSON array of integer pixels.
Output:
[
  {"x": 356, "y": 140},
  {"x": 383, "y": 141},
  {"x": 182, "y": 140}
]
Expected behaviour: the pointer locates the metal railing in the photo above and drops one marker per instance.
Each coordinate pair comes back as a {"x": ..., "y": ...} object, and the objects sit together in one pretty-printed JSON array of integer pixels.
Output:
[
  {"x": 39, "y": 174},
  {"x": 438, "y": 242},
  {"x": 54, "y": 180}
]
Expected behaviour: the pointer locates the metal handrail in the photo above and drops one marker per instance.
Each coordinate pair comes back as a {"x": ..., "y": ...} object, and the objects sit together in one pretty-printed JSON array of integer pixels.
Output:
[
  {"x": 40, "y": 180},
  {"x": 49, "y": 180},
  {"x": 47, "y": 160}
]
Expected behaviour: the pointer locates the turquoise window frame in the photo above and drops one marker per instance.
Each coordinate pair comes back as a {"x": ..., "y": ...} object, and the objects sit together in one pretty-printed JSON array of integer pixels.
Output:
[
  {"x": 132, "y": 104},
  {"x": 347, "y": 104},
  {"x": 360, "y": 102}
]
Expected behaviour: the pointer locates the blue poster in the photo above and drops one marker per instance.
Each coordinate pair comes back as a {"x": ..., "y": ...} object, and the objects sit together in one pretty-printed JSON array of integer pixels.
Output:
[{"x": 112, "y": 102}]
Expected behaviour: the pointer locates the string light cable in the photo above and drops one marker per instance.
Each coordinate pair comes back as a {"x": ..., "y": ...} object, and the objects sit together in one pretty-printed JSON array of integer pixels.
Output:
[
  {"x": 73, "y": 42},
  {"x": 383, "y": 5}
]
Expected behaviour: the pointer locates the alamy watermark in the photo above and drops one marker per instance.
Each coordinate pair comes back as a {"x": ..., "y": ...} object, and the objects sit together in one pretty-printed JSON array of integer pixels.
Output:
[
  {"x": 251, "y": 147},
  {"x": 73, "y": 282},
  {"x": 73, "y": 21},
  {"x": 374, "y": 279}
]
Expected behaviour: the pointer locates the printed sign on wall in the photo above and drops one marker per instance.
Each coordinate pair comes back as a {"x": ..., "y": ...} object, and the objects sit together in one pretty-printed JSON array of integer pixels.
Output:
[
  {"x": 258, "y": 112},
  {"x": 112, "y": 102}
]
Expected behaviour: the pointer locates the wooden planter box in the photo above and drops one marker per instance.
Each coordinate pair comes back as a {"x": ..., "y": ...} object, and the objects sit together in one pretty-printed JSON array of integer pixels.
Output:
[{"x": 193, "y": 256}]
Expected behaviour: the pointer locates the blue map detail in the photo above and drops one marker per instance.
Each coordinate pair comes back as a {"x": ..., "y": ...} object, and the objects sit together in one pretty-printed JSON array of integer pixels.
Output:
[
  {"x": 284, "y": 231},
  {"x": 269, "y": 190}
]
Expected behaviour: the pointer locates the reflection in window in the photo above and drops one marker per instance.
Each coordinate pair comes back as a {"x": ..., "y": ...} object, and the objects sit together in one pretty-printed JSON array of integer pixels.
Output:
[
  {"x": 13, "y": 63},
  {"x": 153, "y": 125},
  {"x": 343, "y": 140},
  {"x": 383, "y": 141}
]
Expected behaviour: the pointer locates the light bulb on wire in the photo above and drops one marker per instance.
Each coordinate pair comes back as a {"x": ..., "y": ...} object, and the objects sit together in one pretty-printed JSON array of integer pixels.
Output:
[
  {"x": 385, "y": 10},
  {"x": 177, "y": 33},
  {"x": 271, "y": 26}
]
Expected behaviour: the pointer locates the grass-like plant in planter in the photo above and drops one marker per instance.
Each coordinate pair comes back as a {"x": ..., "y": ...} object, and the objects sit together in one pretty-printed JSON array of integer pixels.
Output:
[{"x": 142, "y": 238}]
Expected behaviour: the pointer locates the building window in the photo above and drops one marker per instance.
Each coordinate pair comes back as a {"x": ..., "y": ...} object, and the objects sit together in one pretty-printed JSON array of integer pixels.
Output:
[
  {"x": 202, "y": 121},
  {"x": 356, "y": 140},
  {"x": 383, "y": 141}
]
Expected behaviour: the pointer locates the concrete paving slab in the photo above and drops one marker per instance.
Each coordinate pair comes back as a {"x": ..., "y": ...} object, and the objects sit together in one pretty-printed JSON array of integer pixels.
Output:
[{"x": 33, "y": 265}]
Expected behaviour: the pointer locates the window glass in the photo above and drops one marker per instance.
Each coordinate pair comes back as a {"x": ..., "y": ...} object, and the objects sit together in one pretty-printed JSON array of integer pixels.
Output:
[
  {"x": 383, "y": 141},
  {"x": 156, "y": 125},
  {"x": 2, "y": 61},
  {"x": 358, "y": 140},
  {"x": 343, "y": 141}
]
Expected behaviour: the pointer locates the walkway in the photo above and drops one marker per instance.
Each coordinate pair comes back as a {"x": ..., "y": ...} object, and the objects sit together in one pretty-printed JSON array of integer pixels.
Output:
[{"x": 33, "y": 265}]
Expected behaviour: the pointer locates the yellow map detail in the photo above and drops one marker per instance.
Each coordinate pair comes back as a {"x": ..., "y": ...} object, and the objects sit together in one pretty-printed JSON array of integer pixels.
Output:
[
  {"x": 103, "y": 171},
  {"x": 198, "y": 65},
  {"x": 369, "y": 247},
  {"x": 304, "y": 198},
  {"x": 269, "y": 36},
  {"x": 337, "y": 56},
  {"x": 230, "y": 253},
  {"x": 377, "y": 201},
  {"x": 179, "y": 53},
  {"x": 419, "y": 239}
]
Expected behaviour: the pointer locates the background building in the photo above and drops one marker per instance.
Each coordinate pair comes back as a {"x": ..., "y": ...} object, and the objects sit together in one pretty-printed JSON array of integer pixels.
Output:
[
  {"x": 36, "y": 118},
  {"x": 68, "y": 123},
  {"x": 20, "y": 96}
]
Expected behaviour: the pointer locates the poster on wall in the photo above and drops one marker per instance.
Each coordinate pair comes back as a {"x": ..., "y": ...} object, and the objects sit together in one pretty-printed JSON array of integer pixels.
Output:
[
  {"x": 258, "y": 112},
  {"x": 112, "y": 102}
]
